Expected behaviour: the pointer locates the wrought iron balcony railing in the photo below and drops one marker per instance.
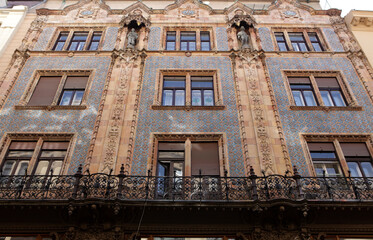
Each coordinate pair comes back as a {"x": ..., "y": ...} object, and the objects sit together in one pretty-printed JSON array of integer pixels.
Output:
[{"x": 198, "y": 188}]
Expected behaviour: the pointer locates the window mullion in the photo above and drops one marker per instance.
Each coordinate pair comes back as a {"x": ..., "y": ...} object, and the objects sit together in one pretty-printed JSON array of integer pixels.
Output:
[
  {"x": 35, "y": 156},
  {"x": 341, "y": 157},
  {"x": 308, "y": 41},
  {"x": 188, "y": 94},
  {"x": 288, "y": 42},
  {"x": 198, "y": 40},
  {"x": 188, "y": 158},
  {"x": 88, "y": 40},
  {"x": 316, "y": 91},
  {"x": 59, "y": 90},
  {"x": 68, "y": 40},
  {"x": 177, "y": 42}
]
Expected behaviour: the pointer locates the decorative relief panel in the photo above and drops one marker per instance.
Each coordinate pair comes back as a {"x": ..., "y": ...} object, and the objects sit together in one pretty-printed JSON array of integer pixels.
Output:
[
  {"x": 154, "y": 39},
  {"x": 222, "y": 39},
  {"x": 110, "y": 38},
  {"x": 79, "y": 122},
  {"x": 333, "y": 40},
  {"x": 44, "y": 38},
  {"x": 204, "y": 121},
  {"x": 266, "y": 40},
  {"x": 295, "y": 122}
]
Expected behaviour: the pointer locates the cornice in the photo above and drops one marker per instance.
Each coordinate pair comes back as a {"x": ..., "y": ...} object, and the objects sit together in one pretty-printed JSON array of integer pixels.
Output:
[{"x": 362, "y": 21}]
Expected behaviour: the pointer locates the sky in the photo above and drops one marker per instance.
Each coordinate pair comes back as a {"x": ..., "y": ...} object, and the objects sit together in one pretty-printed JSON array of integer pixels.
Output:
[{"x": 347, "y": 5}]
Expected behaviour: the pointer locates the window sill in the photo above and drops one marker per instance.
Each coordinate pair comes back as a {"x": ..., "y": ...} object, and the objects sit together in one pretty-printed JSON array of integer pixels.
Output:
[
  {"x": 326, "y": 109},
  {"x": 49, "y": 108},
  {"x": 187, "y": 108}
]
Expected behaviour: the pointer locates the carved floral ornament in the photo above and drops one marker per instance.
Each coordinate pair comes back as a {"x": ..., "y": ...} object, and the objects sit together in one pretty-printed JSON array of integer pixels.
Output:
[{"x": 135, "y": 16}]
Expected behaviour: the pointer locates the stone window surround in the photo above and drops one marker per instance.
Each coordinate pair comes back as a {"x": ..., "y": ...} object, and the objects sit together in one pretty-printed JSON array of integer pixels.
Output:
[
  {"x": 218, "y": 95},
  {"x": 40, "y": 138},
  {"x": 64, "y": 73},
  {"x": 196, "y": 29},
  {"x": 335, "y": 139},
  {"x": 346, "y": 90},
  {"x": 219, "y": 137},
  {"x": 303, "y": 30},
  {"x": 71, "y": 31}
]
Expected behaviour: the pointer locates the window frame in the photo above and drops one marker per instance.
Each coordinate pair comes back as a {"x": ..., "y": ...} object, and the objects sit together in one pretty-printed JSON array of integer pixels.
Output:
[
  {"x": 336, "y": 139},
  {"x": 64, "y": 74},
  {"x": 39, "y": 139},
  {"x": 286, "y": 31},
  {"x": 350, "y": 101},
  {"x": 90, "y": 30},
  {"x": 217, "y": 91},
  {"x": 188, "y": 139},
  {"x": 198, "y": 41}
]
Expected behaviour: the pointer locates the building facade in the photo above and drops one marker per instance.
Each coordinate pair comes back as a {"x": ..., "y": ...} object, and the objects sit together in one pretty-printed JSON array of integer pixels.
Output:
[{"x": 161, "y": 120}]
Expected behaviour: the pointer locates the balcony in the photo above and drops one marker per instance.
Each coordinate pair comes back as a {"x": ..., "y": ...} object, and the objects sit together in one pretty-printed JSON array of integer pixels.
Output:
[{"x": 198, "y": 188}]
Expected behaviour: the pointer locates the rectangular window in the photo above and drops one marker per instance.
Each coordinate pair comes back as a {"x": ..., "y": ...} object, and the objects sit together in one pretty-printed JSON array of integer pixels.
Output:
[
  {"x": 171, "y": 41},
  {"x": 173, "y": 91},
  {"x": 325, "y": 159},
  {"x": 302, "y": 91},
  {"x": 187, "y": 41},
  {"x": 318, "y": 89},
  {"x": 330, "y": 91},
  {"x": 60, "y": 43},
  {"x": 49, "y": 157},
  {"x": 202, "y": 91},
  {"x": 281, "y": 42},
  {"x": 95, "y": 41},
  {"x": 298, "y": 42},
  {"x": 60, "y": 90},
  {"x": 78, "y": 40},
  {"x": 205, "y": 41},
  {"x": 358, "y": 159},
  {"x": 73, "y": 91}
]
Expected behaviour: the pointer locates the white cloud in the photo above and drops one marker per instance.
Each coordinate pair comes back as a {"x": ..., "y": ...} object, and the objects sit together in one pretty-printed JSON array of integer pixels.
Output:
[{"x": 347, "y": 5}]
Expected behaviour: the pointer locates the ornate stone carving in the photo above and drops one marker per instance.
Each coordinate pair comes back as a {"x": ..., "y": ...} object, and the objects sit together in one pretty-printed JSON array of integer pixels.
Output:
[
  {"x": 135, "y": 16},
  {"x": 243, "y": 37},
  {"x": 132, "y": 38},
  {"x": 190, "y": 11},
  {"x": 237, "y": 19},
  {"x": 125, "y": 61}
]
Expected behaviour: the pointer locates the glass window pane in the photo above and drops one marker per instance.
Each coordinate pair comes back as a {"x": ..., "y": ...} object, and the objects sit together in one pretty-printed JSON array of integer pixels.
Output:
[
  {"x": 303, "y": 47},
  {"x": 354, "y": 169},
  {"x": 170, "y": 46},
  {"x": 73, "y": 46},
  {"x": 196, "y": 98},
  {"x": 310, "y": 98},
  {"x": 296, "y": 37},
  {"x": 192, "y": 46},
  {"x": 183, "y": 46},
  {"x": 333, "y": 169},
  {"x": 208, "y": 98},
  {"x": 42, "y": 168},
  {"x": 53, "y": 154},
  {"x": 323, "y": 155},
  {"x": 56, "y": 167},
  {"x": 78, "y": 96},
  {"x": 298, "y": 98},
  {"x": 179, "y": 98},
  {"x": 171, "y": 155},
  {"x": 59, "y": 46},
  {"x": 202, "y": 84},
  {"x": 173, "y": 84},
  {"x": 326, "y": 98},
  {"x": 280, "y": 37},
  {"x": 66, "y": 97},
  {"x": 8, "y": 167},
  {"x": 298, "y": 86},
  {"x": 338, "y": 98},
  {"x": 295, "y": 47},
  {"x": 167, "y": 97},
  {"x": 22, "y": 167},
  {"x": 205, "y": 36},
  {"x": 319, "y": 169},
  {"x": 80, "y": 46},
  {"x": 94, "y": 46},
  {"x": 317, "y": 47},
  {"x": 20, "y": 154},
  {"x": 178, "y": 169},
  {"x": 162, "y": 169},
  {"x": 282, "y": 46},
  {"x": 367, "y": 169},
  {"x": 205, "y": 46}
]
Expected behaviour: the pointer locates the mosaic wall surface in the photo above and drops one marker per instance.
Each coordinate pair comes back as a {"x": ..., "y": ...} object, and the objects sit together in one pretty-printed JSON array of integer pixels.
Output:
[
  {"x": 295, "y": 122},
  {"x": 154, "y": 42},
  {"x": 44, "y": 38},
  {"x": 79, "y": 122},
  {"x": 333, "y": 40},
  {"x": 110, "y": 38},
  {"x": 188, "y": 121},
  {"x": 265, "y": 39},
  {"x": 222, "y": 39}
]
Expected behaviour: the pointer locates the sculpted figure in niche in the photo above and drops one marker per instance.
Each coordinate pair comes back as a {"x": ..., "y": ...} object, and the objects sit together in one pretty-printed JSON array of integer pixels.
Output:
[
  {"x": 131, "y": 38},
  {"x": 243, "y": 38}
]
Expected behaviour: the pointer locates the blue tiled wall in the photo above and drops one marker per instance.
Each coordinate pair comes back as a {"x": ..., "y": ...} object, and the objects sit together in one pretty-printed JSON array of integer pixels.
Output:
[
  {"x": 333, "y": 40},
  {"x": 265, "y": 38},
  {"x": 110, "y": 38},
  {"x": 222, "y": 39},
  {"x": 295, "y": 122},
  {"x": 154, "y": 42},
  {"x": 44, "y": 38},
  {"x": 188, "y": 121},
  {"x": 80, "y": 122}
]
